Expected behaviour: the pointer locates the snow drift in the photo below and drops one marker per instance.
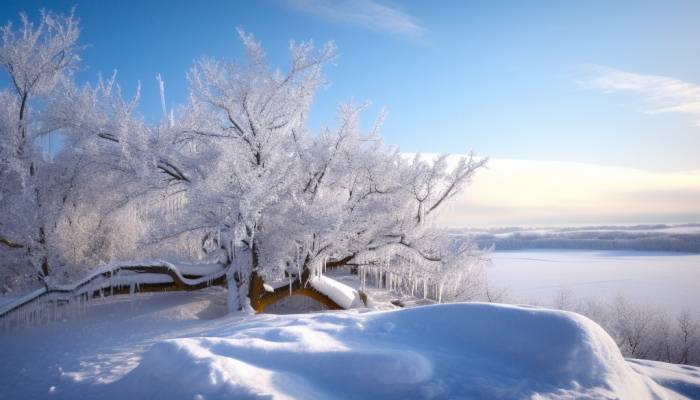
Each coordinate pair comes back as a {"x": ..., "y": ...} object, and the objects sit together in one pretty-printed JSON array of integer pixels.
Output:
[
  {"x": 443, "y": 351},
  {"x": 184, "y": 346}
]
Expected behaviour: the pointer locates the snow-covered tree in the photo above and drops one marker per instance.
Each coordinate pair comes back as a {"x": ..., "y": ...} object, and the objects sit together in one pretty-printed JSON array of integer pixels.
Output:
[
  {"x": 280, "y": 202},
  {"x": 53, "y": 201},
  {"x": 234, "y": 174},
  {"x": 36, "y": 59}
]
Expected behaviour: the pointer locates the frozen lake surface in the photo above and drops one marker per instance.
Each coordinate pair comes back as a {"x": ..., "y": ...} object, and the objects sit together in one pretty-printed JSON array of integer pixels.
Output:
[{"x": 667, "y": 281}]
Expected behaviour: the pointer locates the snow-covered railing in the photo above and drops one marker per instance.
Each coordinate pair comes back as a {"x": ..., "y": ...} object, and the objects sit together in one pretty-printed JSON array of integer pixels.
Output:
[{"x": 121, "y": 278}]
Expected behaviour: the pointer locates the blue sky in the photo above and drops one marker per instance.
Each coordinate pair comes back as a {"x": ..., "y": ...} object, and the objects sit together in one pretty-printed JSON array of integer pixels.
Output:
[
  {"x": 506, "y": 79},
  {"x": 594, "y": 82}
]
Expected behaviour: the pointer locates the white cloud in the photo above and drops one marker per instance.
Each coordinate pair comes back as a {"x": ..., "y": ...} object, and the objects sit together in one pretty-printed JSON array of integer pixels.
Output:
[
  {"x": 368, "y": 14},
  {"x": 662, "y": 94}
]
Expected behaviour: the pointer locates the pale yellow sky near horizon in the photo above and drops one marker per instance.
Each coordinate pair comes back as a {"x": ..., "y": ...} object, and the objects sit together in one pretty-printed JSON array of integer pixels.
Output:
[{"x": 553, "y": 193}]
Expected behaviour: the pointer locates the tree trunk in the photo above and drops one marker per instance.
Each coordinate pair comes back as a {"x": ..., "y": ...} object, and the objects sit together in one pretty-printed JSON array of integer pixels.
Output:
[{"x": 261, "y": 298}]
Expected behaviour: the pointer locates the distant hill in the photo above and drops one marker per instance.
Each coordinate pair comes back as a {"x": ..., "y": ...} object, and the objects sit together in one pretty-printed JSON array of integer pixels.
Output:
[{"x": 677, "y": 238}]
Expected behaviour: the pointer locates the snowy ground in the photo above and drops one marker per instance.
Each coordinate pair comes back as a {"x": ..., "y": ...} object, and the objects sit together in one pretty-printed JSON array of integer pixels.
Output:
[
  {"x": 183, "y": 345},
  {"x": 667, "y": 281}
]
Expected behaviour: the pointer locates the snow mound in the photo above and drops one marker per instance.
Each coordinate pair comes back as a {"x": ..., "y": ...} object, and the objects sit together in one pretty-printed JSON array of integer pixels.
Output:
[{"x": 435, "y": 352}]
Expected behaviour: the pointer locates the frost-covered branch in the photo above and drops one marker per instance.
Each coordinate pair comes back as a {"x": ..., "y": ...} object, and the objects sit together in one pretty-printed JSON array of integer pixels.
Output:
[{"x": 234, "y": 174}]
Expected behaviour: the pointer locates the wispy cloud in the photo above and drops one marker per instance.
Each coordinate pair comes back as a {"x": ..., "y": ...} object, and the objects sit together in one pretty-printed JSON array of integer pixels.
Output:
[
  {"x": 368, "y": 14},
  {"x": 662, "y": 94}
]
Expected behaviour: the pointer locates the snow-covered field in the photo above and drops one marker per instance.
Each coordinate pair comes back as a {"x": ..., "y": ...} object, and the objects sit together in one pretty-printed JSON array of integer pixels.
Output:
[
  {"x": 184, "y": 346},
  {"x": 664, "y": 280}
]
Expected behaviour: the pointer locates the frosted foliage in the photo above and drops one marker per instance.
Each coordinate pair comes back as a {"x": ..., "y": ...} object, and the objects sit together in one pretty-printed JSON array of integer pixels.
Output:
[
  {"x": 232, "y": 176},
  {"x": 56, "y": 213},
  {"x": 35, "y": 58},
  {"x": 261, "y": 183},
  {"x": 36, "y": 55}
]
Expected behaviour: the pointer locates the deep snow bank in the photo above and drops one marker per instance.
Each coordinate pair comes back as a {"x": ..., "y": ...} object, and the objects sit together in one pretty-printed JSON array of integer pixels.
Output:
[
  {"x": 183, "y": 346},
  {"x": 444, "y": 351}
]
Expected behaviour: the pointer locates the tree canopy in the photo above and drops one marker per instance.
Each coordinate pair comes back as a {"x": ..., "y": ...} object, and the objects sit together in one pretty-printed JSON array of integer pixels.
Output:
[{"x": 233, "y": 175}]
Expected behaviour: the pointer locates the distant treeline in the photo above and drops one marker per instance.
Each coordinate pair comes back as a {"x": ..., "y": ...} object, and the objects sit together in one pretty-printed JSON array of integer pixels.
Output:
[
  {"x": 641, "y": 331},
  {"x": 593, "y": 240}
]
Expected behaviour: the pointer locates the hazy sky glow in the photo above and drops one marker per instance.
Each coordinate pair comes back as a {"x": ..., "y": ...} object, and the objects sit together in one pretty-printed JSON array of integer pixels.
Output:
[
  {"x": 603, "y": 97},
  {"x": 550, "y": 193}
]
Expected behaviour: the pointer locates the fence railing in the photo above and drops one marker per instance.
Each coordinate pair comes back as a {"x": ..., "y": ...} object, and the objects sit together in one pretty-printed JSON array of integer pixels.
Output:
[{"x": 49, "y": 303}]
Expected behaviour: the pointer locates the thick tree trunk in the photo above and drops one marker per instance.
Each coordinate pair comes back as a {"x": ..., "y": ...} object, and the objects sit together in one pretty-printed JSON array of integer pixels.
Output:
[
  {"x": 44, "y": 267},
  {"x": 261, "y": 298}
]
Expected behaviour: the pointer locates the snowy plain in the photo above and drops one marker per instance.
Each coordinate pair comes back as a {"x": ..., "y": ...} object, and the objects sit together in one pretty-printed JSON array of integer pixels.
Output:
[
  {"x": 666, "y": 281},
  {"x": 185, "y": 346}
]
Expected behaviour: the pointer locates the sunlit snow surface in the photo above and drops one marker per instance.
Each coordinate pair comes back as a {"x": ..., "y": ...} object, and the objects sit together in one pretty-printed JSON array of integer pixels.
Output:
[
  {"x": 663, "y": 280},
  {"x": 183, "y": 346}
]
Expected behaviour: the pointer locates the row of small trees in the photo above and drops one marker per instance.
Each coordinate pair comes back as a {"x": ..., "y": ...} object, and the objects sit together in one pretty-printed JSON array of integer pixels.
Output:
[
  {"x": 233, "y": 175},
  {"x": 593, "y": 240},
  {"x": 641, "y": 331}
]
